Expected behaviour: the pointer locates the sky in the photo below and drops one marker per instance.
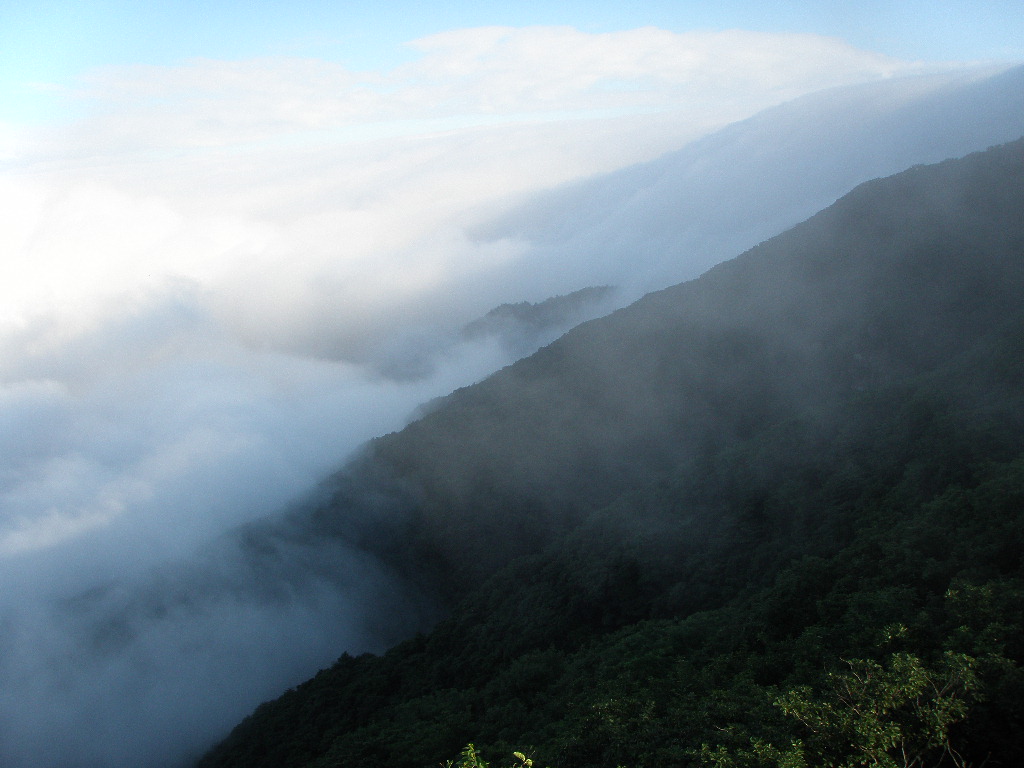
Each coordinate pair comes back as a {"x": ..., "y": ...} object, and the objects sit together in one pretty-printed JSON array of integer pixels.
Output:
[
  {"x": 238, "y": 240},
  {"x": 46, "y": 45}
]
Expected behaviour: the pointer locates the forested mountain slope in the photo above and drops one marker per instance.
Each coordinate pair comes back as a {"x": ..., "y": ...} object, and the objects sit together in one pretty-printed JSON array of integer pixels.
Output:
[{"x": 806, "y": 462}]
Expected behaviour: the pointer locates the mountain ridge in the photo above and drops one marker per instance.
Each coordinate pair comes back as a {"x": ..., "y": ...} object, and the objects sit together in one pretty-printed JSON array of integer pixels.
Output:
[
  {"x": 807, "y": 444},
  {"x": 498, "y": 391}
]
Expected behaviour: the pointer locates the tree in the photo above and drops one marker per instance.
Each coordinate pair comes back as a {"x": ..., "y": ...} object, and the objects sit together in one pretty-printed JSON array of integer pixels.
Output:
[{"x": 896, "y": 715}]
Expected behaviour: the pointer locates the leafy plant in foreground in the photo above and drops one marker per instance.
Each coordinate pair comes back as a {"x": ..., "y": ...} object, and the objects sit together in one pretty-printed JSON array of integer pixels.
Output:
[
  {"x": 470, "y": 758},
  {"x": 892, "y": 715}
]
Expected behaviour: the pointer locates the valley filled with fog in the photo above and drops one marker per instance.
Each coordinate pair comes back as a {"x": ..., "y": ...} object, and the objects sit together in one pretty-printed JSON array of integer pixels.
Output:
[{"x": 260, "y": 312}]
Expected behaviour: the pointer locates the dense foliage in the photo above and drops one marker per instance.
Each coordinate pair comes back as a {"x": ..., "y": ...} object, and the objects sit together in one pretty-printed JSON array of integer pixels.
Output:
[{"x": 771, "y": 517}]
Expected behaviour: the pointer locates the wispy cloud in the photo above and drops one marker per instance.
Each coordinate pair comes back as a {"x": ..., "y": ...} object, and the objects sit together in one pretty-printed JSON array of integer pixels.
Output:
[
  {"x": 481, "y": 73},
  {"x": 558, "y": 68}
]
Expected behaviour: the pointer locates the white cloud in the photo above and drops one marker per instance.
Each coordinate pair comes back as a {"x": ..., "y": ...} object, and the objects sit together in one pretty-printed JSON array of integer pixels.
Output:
[
  {"x": 474, "y": 74},
  {"x": 560, "y": 68}
]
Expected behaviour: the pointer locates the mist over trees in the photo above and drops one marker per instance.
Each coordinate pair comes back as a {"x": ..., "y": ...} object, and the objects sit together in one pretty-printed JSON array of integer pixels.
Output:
[{"x": 686, "y": 533}]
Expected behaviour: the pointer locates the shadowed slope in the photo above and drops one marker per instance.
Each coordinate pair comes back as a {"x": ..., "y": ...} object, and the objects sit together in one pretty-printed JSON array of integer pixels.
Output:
[
  {"x": 774, "y": 462},
  {"x": 900, "y": 278}
]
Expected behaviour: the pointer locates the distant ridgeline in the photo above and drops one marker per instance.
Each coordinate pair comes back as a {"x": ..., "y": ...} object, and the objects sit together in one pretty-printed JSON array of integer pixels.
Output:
[{"x": 770, "y": 517}]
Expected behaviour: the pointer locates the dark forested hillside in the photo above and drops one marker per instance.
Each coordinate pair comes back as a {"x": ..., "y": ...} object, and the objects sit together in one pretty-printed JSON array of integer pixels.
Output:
[{"x": 689, "y": 532}]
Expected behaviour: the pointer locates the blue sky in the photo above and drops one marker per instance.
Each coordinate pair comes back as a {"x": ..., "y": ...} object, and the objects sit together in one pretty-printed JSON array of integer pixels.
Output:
[{"x": 54, "y": 41}]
